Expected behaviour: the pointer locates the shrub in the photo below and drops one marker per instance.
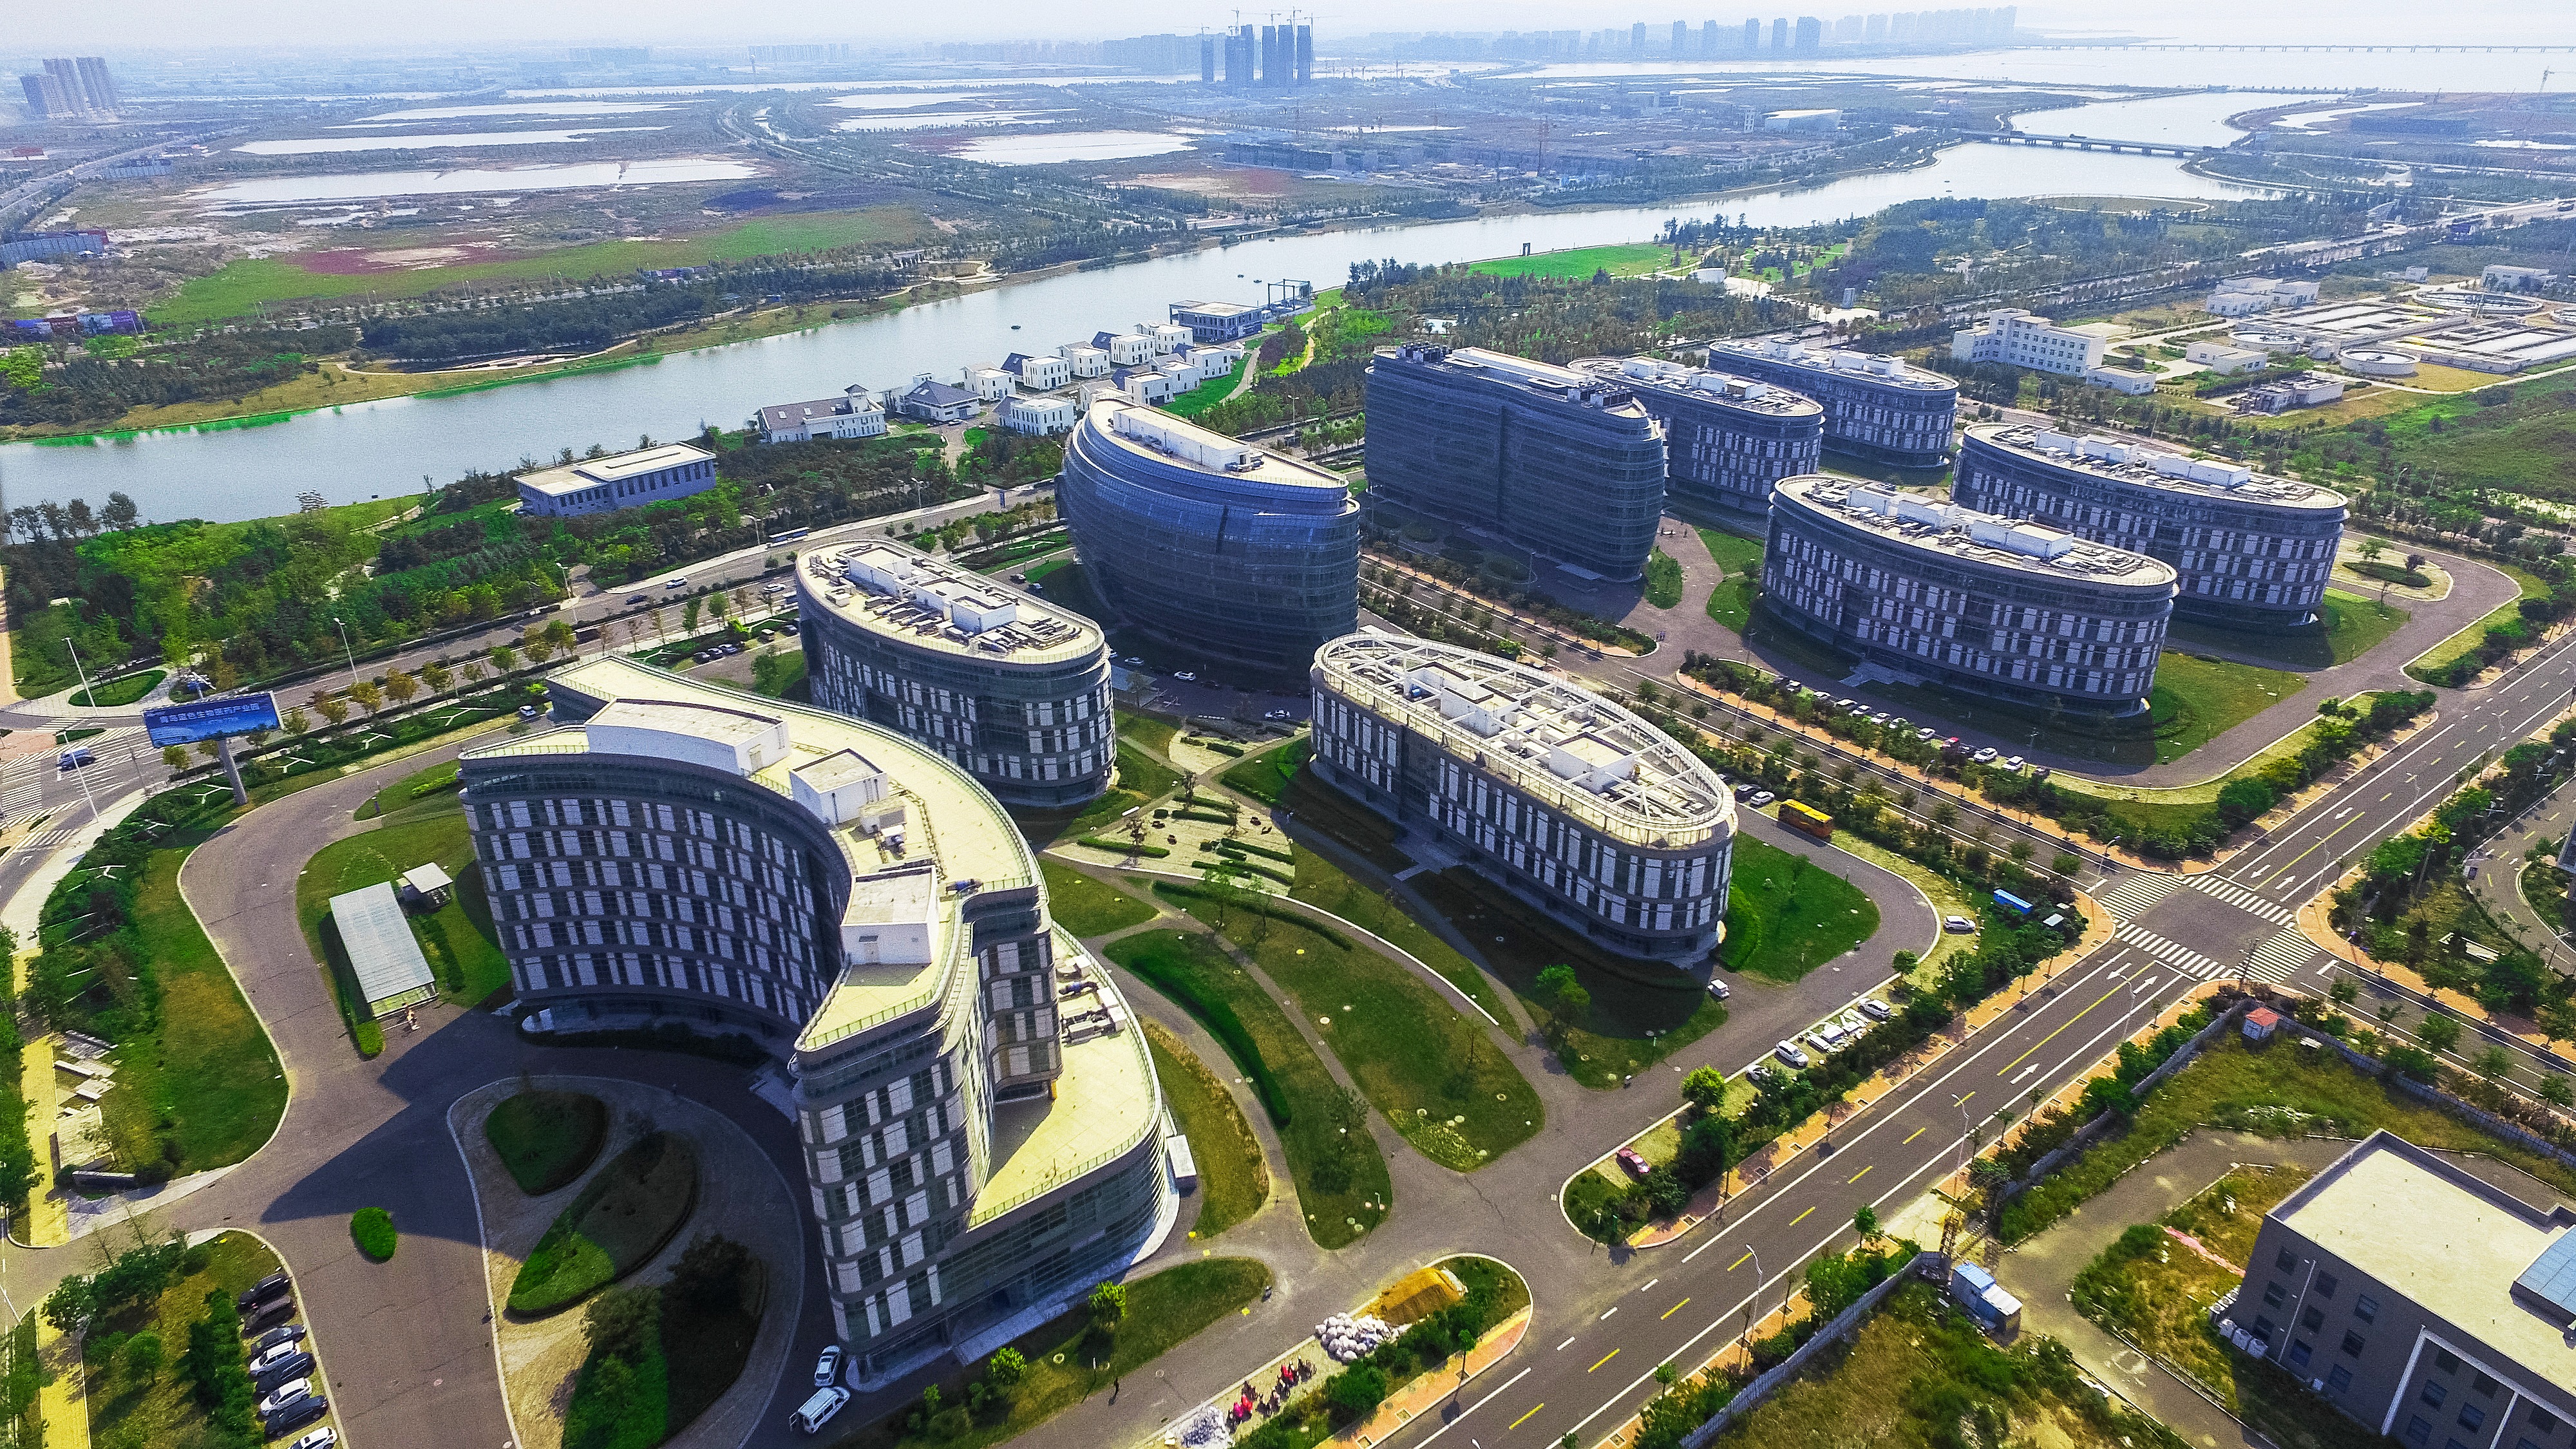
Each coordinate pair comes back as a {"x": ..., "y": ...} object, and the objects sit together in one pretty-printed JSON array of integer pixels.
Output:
[{"x": 372, "y": 1228}]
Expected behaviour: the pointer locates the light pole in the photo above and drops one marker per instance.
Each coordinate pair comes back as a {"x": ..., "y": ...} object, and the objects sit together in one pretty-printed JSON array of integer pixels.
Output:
[
  {"x": 346, "y": 650},
  {"x": 1961, "y": 1102},
  {"x": 77, "y": 669},
  {"x": 1756, "y": 1255}
]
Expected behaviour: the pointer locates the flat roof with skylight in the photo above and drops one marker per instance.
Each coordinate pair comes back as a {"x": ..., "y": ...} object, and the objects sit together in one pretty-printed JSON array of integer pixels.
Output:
[
  {"x": 2127, "y": 461},
  {"x": 926, "y": 602},
  {"x": 1965, "y": 535}
]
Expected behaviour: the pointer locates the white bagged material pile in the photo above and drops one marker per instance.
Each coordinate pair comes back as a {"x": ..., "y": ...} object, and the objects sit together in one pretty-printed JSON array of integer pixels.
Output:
[
  {"x": 1347, "y": 1336},
  {"x": 1203, "y": 1430}
]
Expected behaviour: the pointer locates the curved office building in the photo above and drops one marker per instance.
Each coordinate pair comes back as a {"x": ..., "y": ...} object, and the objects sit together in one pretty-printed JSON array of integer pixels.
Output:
[
  {"x": 1937, "y": 594},
  {"x": 1217, "y": 547},
  {"x": 1563, "y": 464},
  {"x": 1726, "y": 439},
  {"x": 979, "y": 1117},
  {"x": 1561, "y": 796},
  {"x": 1880, "y": 408},
  {"x": 1008, "y": 686},
  {"x": 2253, "y": 551}
]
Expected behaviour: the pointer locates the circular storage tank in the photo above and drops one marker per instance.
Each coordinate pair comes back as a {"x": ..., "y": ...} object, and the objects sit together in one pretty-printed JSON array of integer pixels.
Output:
[
  {"x": 2378, "y": 362},
  {"x": 2265, "y": 339}
]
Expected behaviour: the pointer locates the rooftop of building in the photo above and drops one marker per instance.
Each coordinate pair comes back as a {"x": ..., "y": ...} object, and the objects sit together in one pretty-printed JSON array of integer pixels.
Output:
[
  {"x": 781, "y": 415},
  {"x": 1553, "y": 740},
  {"x": 1721, "y": 389},
  {"x": 936, "y": 393},
  {"x": 2127, "y": 460},
  {"x": 1840, "y": 361},
  {"x": 1557, "y": 384},
  {"x": 2461, "y": 1248},
  {"x": 931, "y": 603},
  {"x": 1218, "y": 309},
  {"x": 1965, "y": 534},
  {"x": 1107, "y": 1089},
  {"x": 1173, "y": 441},
  {"x": 612, "y": 468}
]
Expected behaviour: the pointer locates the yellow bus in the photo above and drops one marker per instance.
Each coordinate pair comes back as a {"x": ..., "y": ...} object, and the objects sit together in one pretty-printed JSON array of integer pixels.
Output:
[{"x": 1806, "y": 819}]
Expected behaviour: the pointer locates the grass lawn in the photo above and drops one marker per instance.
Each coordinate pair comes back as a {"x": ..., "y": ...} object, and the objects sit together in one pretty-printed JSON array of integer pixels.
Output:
[
  {"x": 2263, "y": 1090},
  {"x": 1944, "y": 893},
  {"x": 1786, "y": 916},
  {"x": 1663, "y": 579},
  {"x": 1265, "y": 776},
  {"x": 1163, "y": 1312},
  {"x": 428, "y": 787},
  {"x": 161, "y": 1409},
  {"x": 458, "y": 937},
  {"x": 1209, "y": 393},
  {"x": 1339, "y": 1174},
  {"x": 697, "y": 1351},
  {"x": 125, "y": 689},
  {"x": 2349, "y": 627},
  {"x": 1436, "y": 1074},
  {"x": 1630, "y": 997},
  {"x": 1310, "y": 802},
  {"x": 1234, "y": 1180},
  {"x": 1731, "y": 602},
  {"x": 2197, "y": 699},
  {"x": 1087, "y": 907},
  {"x": 2468, "y": 639},
  {"x": 1624, "y": 259},
  {"x": 629, "y": 1210},
  {"x": 1321, "y": 883},
  {"x": 547, "y": 1139},
  {"x": 1143, "y": 741}
]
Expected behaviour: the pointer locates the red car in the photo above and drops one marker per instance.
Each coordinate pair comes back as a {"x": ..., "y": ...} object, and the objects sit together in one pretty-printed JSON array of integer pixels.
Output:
[{"x": 1635, "y": 1164}]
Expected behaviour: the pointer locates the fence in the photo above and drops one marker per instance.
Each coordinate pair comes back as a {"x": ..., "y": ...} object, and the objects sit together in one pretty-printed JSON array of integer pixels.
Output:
[
  {"x": 1845, "y": 1323},
  {"x": 2100, "y": 1127}
]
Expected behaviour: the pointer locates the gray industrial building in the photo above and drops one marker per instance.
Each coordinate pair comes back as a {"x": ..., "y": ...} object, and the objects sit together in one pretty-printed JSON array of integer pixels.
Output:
[
  {"x": 1726, "y": 439},
  {"x": 1883, "y": 409}
]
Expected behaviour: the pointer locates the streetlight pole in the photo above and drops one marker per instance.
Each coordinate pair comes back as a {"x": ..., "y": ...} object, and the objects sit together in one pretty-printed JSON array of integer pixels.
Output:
[
  {"x": 348, "y": 651},
  {"x": 1961, "y": 1102},
  {"x": 1756, "y": 1254},
  {"x": 77, "y": 669}
]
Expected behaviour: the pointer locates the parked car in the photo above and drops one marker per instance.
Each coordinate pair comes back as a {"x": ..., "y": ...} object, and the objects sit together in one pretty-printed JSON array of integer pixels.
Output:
[
  {"x": 1789, "y": 1055},
  {"x": 1762, "y": 798},
  {"x": 827, "y": 1369},
  {"x": 1718, "y": 989},
  {"x": 1633, "y": 1164},
  {"x": 289, "y": 1333},
  {"x": 2040, "y": 772},
  {"x": 1742, "y": 790},
  {"x": 284, "y": 1394},
  {"x": 2014, "y": 764},
  {"x": 1985, "y": 756},
  {"x": 1879, "y": 718},
  {"x": 1857, "y": 710},
  {"x": 294, "y": 1416},
  {"x": 273, "y": 1311},
  {"x": 1131, "y": 661},
  {"x": 789, "y": 629},
  {"x": 274, "y": 1286},
  {"x": 814, "y": 1413},
  {"x": 527, "y": 711},
  {"x": 1926, "y": 734},
  {"x": 1823, "y": 1046},
  {"x": 270, "y": 1358},
  {"x": 322, "y": 1438},
  {"x": 1187, "y": 676},
  {"x": 1844, "y": 704},
  {"x": 1875, "y": 1009},
  {"x": 632, "y": 599},
  {"x": 284, "y": 1371},
  {"x": 1958, "y": 925}
]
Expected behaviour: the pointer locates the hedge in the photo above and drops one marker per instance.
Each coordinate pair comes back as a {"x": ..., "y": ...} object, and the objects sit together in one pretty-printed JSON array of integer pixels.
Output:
[
  {"x": 1217, "y": 1014},
  {"x": 1123, "y": 847}
]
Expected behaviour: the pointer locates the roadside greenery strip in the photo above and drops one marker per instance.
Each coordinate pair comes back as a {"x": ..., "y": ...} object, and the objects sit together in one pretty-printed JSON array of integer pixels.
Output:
[{"x": 1350, "y": 1395}]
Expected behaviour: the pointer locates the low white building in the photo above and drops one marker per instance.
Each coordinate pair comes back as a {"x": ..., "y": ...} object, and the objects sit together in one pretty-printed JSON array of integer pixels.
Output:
[
  {"x": 1085, "y": 360},
  {"x": 1039, "y": 372},
  {"x": 2245, "y": 296},
  {"x": 1125, "y": 349},
  {"x": 2224, "y": 358},
  {"x": 1027, "y": 414},
  {"x": 1167, "y": 336},
  {"x": 933, "y": 401},
  {"x": 2516, "y": 279},
  {"x": 854, "y": 414},
  {"x": 2017, "y": 338},
  {"x": 2122, "y": 380},
  {"x": 1147, "y": 384},
  {"x": 1808, "y": 120},
  {"x": 2299, "y": 390},
  {"x": 991, "y": 384},
  {"x": 619, "y": 480}
]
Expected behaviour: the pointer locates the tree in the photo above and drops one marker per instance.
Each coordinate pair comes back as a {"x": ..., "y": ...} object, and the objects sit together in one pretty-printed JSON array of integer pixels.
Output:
[
  {"x": 621, "y": 1322},
  {"x": 2438, "y": 1031},
  {"x": 1865, "y": 1222},
  {"x": 143, "y": 1351},
  {"x": 2557, "y": 1091},
  {"x": 401, "y": 686},
  {"x": 2495, "y": 1064},
  {"x": 1356, "y": 1391},
  {"x": 504, "y": 658},
  {"x": 333, "y": 707},
  {"x": 689, "y": 616},
  {"x": 534, "y": 645},
  {"x": 1108, "y": 1302},
  {"x": 297, "y": 721},
  {"x": 1005, "y": 1369},
  {"x": 366, "y": 693},
  {"x": 473, "y": 671},
  {"x": 119, "y": 513},
  {"x": 709, "y": 1276},
  {"x": 1704, "y": 1088},
  {"x": 2372, "y": 548},
  {"x": 437, "y": 676},
  {"x": 560, "y": 635},
  {"x": 175, "y": 756}
]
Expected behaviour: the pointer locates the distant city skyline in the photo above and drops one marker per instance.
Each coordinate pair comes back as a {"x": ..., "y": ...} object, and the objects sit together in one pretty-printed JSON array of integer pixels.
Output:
[{"x": 234, "y": 25}]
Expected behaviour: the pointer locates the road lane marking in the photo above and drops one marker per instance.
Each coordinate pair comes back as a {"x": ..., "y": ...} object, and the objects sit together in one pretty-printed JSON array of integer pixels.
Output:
[
  {"x": 1562, "y": 1347},
  {"x": 1523, "y": 1419},
  {"x": 1731, "y": 1267},
  {"x": 1605, "y": 1358},
  {"x": 1864, "y": 1172},
  {"x": 1963, "y": 1101},
  {"x": 1471, "y": 1408},
  {"x": 1676, "y": 1308},
  {"x": 2025, "y": 1074},
  {"x": 1802, "y": 1217},
  {"x": 2054, "y": 1035},
  {"x": 1919, "y": 1131},
  {"x": 1651, "y": 1282}
]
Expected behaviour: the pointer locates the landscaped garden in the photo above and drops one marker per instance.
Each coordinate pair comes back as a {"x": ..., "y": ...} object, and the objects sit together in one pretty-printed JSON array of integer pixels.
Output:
[
  {"x": 161, "y": 1350},
  {"x": 1619, "y": 259},
  {"x": 1786, "y": 916},
  {"x": 547, "y": 1139},
  {"x": 618, "y": 1222},
  {"x": 458, "y": 938},
  {"x": 124, "y": 689},
  {"x": 1731, "y": 602},
  {"x": 1234, "y": 1180},
  {"x": 661, "y": 1355},
  {"x": 1089, "y": 907}
]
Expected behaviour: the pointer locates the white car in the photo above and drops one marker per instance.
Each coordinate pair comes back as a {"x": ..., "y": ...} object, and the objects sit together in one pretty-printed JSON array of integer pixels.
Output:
[
  {"x": 1926, "y": 734},
  {"x": 322, "y": 1438},
  {"x": 1985, "y": 756},
  {"x": 1789, "y": 1055},
  {"x": 287, "y": 1393},
  {"x": 1824, "y": 1045},
  {"x": 1959, "y": 925},
  {"x": 1875, "y": 1009},
  {"x": 272, "y": 1358},
  {"x": 814, "y": 1413},
  {"x": 1187, "y": 676},
  {"x": 1879, "y": 718},
  {"x": 679, "y": 583},
  {"x": 827, "y": 1369},
  {"x": 2014, "y": 764},
  {"x": 1718, "y": 989}
]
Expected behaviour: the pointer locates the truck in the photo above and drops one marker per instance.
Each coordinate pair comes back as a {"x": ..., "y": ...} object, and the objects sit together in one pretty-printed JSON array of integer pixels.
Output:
[
  {"x": 1806, "y": 819},
  {"x": 1975, "y": 1289}
]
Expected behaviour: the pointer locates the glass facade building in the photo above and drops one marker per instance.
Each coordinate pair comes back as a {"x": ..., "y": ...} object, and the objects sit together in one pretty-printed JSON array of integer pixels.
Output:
[
  {"x": 1726, "y": 439},
  {"x": 1012, "y": 688},
  {"x": 1220, "y": 548},
  {"x": 978, "y": 1114},
  {"x": 1880, "y": 408},
  {"x": 1933, "y": 593},
  {"x": 1564, "y": 465},
  {"x": 2253, "y": 551}
]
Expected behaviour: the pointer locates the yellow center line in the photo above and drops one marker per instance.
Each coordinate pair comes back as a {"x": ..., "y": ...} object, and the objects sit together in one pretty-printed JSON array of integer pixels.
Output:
[
  {"x": 1523, "y": 1419},
  {"x": 2320, "y": 845},
  {"x": 1738, "y": 1263},
  {"x": 1676, "y": 1308},
  {"x": 1919, "y": 1131},
  {"x": 1864, "y": 1172},
  {"x": 2054, "y": 1035},
  {"x": 1963, "y": 1100},
  {"x": 1800, "y": 1218},
  {"x": 1605, "y": 1358}
]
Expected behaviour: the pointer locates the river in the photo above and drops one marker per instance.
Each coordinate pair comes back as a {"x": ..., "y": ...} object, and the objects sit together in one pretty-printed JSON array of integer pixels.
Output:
[{"x": 374, "y": 449}]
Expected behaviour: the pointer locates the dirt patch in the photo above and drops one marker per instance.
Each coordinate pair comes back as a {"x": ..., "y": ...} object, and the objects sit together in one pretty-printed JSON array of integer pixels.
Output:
[{"x": 363, "y": 261}]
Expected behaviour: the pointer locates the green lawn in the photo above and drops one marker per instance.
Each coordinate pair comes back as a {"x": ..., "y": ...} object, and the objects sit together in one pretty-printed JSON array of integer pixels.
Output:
[
  {"x": 630, "y": 1208},
  {"x": 1339, "y": 1173},
  {"x": 1663, "y": 579},
  {"x": 2196, "y": 699},
  {"x": 431, "y": 786},
  {"x": 1436, "y": 1074},
  {"x": 1163, "y": 1312},
  {"x": 1786, "y": 916},
  {"x": 1322, "y": 884},
  {"x": 1731, "y": 602},
  {"x": 545, "y": 1138},
  {"x": 1142, "y": 743},
  {"x": 1630, "y": 997},
  {"x": 1625, "y": 259},
  {"x": 1265, "y": 776},
  {"x": 458, "y": 938},
  {"x": 2349, "y": 627},
  {"x": 1310, "y": 802},
  {"x": 1209, "y": 393},
  {"x": 1087, "y": 907},
  {"x": 1234, "y": 1180},
  {"x": 696, "y": 1349},
  {"x": 131, "y": 1409},
  {"x": 2467, "y": 640},
  {"x": 124, "y": 689}
]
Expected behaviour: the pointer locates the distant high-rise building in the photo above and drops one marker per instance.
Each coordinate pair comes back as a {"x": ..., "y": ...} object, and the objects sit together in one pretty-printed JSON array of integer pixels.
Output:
[
  {"x": 1207, "y": 59},
  {"x": 1779, "y": 36},
  {"x": 40, "y": 91},
  {"x": 1681, "y": 38},
  {"x": 1811, "y": 35},
  {"x": 610, "y": 55},
  {"x": 1305, "y": 55},
  {"x": 1752, "y": 36},
  {"x": 71, "y": 89},
  {"x": 1876, "y": 33},
  {"x": 1637, "y": 38},
  {"x": 1708, "y": 38},
  {"x": 1847, "y": 31}
]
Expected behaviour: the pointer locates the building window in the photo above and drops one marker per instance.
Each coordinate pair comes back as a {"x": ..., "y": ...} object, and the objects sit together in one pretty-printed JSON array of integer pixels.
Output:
[
  {"x": 2418, "y": 1432},
  {"x": 2365, "y": 1308},
  {"x": 2353, "y": 1344},
  {"x": 2325, "y": 1285},
  {"x": 2471, "y": 1417},
  {"x": 2434, "y": 1394},
  {"x": 2313, "y": 1319},
  {"x": 2338, "y": 1379},
  {"x": 2300, "y": 1352},
  {"x": 2447, "y": 1361},
  {"x": 2286, "y": 1261},
  {"x": 2274, "y": 1295},
  {"x": 2543, "y": 1422},
  {"x": 2486, "y": 1386}
]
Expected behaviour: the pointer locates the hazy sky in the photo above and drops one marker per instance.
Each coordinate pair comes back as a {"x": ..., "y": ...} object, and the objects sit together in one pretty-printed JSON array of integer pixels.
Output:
[{"x": 110, "y": 26}]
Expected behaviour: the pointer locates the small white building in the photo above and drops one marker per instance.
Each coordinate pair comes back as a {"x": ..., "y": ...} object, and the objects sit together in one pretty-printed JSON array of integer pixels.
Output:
[
  {"x": 991, "y": 384},
  {"x": 2245, "y": 296},
  {"x": 2299, "y": 390},
  {"x": 1039, "y": 372},
  {"x": 1147, "y": 384},
  {"x": 2017, "y": 338},
  {"x": 1821, "y": 121},
  {"x": 1085, "y": 360},
  {"x": 2516, "y": 279},
  {"x": 1168, "y": 337},
  {"x": 854, "y": 414},
  {"x": 1125, "y": 349},
  {"x": 1031, "y": 414},
  {"x": 2126, "y": 381},
  {"x": 2224, "y": 358},
  {"x": 619, "y": 480},
  {"x": 932, "y": 401}
]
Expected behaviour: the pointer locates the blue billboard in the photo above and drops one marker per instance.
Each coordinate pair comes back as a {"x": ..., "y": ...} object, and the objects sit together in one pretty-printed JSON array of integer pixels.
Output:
[{"x": 205, "y": 719}]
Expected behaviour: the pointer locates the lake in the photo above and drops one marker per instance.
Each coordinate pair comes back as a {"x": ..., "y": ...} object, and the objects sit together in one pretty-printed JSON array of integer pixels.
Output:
[
  {"x": 319, "y": 144},
  {"x": 367, "y": 185}
]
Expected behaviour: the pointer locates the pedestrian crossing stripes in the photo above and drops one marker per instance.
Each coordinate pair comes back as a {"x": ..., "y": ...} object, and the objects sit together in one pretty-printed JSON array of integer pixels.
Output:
[
  {"x": 2242, "y": 899},
  {"x": 2282, "y": 957},
  {"x": 2138, "y": 894},
  {"x": 2173, "y": 953}
]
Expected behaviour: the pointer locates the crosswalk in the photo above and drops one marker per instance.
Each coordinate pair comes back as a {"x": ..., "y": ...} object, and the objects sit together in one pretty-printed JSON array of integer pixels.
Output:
[
  {"x": 2137, "y": 895},
  {"x": 2173, "y": 953},
  {"x": 2279, "y": 958},
  {"x": 2282, "y": 957},
  {"x": 2242, "y": 899}
]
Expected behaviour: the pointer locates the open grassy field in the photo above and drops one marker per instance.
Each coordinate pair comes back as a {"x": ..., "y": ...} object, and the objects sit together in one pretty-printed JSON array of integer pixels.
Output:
[
  {"x": 1234, "y": 1180},
  {"x": 545, "y": 1138},
  {"x": 1786, "y": 916},
  {"x": 1087, "y": 907},
  {"x": 2468, "y": 639},
  {"x": 458, "y": 938},
  {"x": 2349, "y": 627},
  {"x": 1322, "y": 884},
  {"x": 1623, "y": 259},
  {"x": 2196, "y": 699},
  {"x": 246, "y": 286},
  {"x": 1436, "y": 1074},
  {"x": 1341, "y": 1178},
  {"x": 1731, "y": 602}
]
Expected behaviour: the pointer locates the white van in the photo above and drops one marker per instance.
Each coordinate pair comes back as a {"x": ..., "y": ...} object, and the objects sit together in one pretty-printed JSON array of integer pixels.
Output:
[{"x": 814, "y": 1413}]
